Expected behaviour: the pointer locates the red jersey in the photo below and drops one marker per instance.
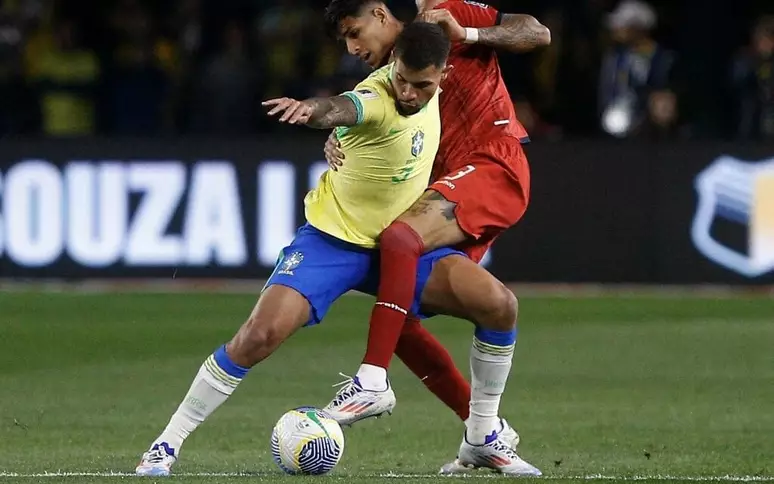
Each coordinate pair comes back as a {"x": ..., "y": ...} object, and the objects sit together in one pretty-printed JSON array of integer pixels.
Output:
[{"x": 475, "y": 104}]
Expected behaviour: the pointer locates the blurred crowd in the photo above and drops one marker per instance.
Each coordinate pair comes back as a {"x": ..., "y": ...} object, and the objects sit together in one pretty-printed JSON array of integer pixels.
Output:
[{"x": 621, "y": 68}]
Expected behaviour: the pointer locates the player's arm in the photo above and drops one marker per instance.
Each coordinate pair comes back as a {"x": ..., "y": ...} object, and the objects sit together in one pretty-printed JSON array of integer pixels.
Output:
[
  {"x": 516, "y": 32},
  {"x": 366, "y": 105},
  {"x": 318, "y": 112},
  {"x": 476, "y": 23}
]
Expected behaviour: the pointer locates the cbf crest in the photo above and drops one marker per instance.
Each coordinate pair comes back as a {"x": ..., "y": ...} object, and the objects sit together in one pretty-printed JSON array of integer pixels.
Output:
[
  {"x": 290, "y": 262},
  {"x": 417, "y": 143},
  {"x": 741, "y": 195}
]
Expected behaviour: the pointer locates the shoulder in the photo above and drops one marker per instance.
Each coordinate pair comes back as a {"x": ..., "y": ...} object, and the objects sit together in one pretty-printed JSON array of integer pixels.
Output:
[
  {"x": 470, "y": 13},
  {"x": 375, "y": 86},
  {"x": 380, "y": 76},
  {"x": 464, "y": 6}
]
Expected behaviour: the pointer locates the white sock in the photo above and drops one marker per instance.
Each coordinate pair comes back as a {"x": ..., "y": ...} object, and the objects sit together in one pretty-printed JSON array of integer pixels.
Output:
[
  {"x": 372, "y": 377},
  {"x": 210, "y": 388},
  {"x": 489, "y": 369}
]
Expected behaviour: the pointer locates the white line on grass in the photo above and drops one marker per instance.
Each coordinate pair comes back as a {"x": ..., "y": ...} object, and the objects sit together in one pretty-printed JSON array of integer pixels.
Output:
[{"x": 591, "y": 477}]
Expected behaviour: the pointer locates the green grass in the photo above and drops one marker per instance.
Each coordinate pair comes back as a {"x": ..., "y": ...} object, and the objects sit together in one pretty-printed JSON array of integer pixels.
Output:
[{"x": 611, "y": 386}]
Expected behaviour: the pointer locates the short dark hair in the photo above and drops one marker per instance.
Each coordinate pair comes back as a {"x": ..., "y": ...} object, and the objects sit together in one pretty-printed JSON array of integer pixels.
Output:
[
  {"x": 338, "y": 10},
  {"x": 421, "y": 45}
]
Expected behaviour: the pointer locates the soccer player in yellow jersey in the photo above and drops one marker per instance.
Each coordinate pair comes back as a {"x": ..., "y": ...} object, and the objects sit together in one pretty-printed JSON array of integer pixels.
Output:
[{"x": 390, "y": 129}]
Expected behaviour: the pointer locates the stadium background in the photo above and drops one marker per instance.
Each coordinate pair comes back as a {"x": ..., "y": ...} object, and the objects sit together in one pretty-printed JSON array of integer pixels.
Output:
[{"x": 134, "y": 150}]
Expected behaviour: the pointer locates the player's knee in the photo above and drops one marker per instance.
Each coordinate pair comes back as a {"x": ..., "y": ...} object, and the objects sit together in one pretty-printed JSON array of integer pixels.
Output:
[
  {"x": 501, "y": 310},
  {"x": 400, "y": 237},
  {"x": 255, "y": 341}
]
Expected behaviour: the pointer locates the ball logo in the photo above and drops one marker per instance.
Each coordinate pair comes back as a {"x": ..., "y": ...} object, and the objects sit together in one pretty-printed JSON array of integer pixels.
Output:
[{"x": 741, "y": 193}]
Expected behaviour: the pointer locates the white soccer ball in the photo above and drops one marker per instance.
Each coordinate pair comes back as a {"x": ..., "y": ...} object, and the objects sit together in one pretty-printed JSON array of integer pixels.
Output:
[{"x": 306, "y": 440}]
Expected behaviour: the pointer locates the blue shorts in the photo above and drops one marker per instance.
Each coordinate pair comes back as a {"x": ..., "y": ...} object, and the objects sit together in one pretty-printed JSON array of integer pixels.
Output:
[{"x": 323, "y": 268}]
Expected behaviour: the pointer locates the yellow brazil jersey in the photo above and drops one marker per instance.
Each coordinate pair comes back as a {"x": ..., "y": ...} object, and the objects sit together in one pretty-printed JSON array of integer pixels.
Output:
[{"x": 387, "y": 165}]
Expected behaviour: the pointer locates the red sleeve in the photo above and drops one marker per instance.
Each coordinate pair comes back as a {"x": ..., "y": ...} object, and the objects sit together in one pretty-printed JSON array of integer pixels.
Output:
[{"x": 472, "y": 14}]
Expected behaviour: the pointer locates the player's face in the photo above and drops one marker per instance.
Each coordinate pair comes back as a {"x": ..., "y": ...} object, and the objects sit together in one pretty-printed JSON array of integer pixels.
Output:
[
  {"x": 414, "y": 89},
  {"x": 369, "y": 36}
]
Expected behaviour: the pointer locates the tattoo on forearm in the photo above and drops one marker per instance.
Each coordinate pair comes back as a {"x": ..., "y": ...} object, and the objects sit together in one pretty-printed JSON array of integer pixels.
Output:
[
  {"x": 330, "y": 112},
  {"x": 517, "y": 33}
]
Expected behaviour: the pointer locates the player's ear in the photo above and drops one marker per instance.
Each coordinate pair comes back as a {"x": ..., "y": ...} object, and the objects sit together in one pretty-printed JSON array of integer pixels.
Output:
[
  {"x": 446, "y": 70},
  {"x": 380, "y": 14}
]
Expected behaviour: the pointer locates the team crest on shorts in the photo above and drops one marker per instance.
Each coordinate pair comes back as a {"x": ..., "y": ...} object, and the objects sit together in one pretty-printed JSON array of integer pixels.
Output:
[
  {"x": 417, "y": 143},
  {"x": 290, "y": 262}
]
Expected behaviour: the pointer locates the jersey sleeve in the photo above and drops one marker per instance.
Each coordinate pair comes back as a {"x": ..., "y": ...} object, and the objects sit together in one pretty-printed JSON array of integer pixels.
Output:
[
  {"x": 371, "y": 101},
  {"x": 473, "y": 14}
]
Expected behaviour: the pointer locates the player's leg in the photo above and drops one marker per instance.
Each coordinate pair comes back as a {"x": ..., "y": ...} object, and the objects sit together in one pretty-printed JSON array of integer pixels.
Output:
[
  {"x": 459, "y": 287},
  {"x": 429, "y": 222},
  {"x": 460, "y": 208},
  {"x": 311, "y": 274},
  {"x": 431, "y": 362},
  {"x": 279, "y": 312}
]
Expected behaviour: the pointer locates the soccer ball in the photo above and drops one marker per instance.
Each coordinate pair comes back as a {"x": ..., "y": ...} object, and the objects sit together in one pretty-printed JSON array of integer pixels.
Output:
[{"x": 306, "y": 440}]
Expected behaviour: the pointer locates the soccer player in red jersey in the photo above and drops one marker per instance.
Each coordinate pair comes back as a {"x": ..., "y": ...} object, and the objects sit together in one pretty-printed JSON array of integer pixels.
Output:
[{"x": 480, "y": 187}]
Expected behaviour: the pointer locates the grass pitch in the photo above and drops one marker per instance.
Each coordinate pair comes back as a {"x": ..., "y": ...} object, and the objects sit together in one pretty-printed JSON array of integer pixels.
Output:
[{"x": 618, "y": 388}]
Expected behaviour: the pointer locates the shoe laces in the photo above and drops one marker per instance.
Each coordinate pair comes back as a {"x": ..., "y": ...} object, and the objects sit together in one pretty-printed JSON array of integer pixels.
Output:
[
  {"x": 156, "y": 456},
  {"x": 348, "y": 388},
  {"x": 503, "y": 447}
]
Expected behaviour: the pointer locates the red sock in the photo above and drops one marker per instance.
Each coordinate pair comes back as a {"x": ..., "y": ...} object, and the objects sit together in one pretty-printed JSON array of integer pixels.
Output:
[
  {"x": 399, "y": 248},
  {"x": 427, "y": 358}
]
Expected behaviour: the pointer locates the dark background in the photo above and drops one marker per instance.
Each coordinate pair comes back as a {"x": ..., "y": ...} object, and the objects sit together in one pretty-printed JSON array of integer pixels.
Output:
[{"x": 181, "y": 67}]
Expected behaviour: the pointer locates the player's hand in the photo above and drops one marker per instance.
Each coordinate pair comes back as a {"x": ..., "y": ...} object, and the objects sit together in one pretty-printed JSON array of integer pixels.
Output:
[
  {"x": 444, "y": 18},
  {"x": 333, "y": 153},
  {"x": 293, "y": 111}
]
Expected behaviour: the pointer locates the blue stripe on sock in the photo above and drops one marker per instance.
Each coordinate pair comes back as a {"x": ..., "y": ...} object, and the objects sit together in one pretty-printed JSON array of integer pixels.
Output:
[
  {"x": 496, "y": 338},
  {"x": 225, "y": 363}
]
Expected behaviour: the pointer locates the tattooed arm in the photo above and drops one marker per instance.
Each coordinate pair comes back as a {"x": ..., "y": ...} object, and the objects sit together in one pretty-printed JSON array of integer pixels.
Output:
[
  {"x": 318, "y": 113},
  {"x": 513, "y": 32},
  {"x": 517, "y": 33},
  {"x": 330, "y": 112}
]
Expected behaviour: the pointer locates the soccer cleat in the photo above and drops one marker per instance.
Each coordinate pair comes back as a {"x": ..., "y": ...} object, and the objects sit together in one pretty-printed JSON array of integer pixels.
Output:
[
  {"x": 354, "y": 403},
  {"x": 498, "y": 453},
  {"x": 157, "y": 462}
]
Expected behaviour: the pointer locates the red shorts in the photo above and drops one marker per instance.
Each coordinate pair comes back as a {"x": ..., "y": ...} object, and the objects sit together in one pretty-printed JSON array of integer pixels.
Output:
[{"x": 491, "y": 189}]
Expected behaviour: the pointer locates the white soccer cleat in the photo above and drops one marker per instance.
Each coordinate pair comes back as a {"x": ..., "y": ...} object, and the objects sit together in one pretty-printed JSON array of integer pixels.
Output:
[
  {"x": 507, "y": 434},
  {"x": 496, "y": 453},
  {"x": 354, "y": 403},
  {"x": 157, "y": 462}
]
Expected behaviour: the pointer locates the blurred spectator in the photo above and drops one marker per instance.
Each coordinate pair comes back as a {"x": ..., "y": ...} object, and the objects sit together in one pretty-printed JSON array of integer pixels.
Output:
[
  {"x": 138, "y": 76},
  {"x": 227, "y": 92},
  {"x": 14, "y": 108},
  {"x": 65, "y": 76},
  {"x": 635, "y": 86},
  {"x": 753, "y": 83},
  {"x": 282, "y": 34},
  {"x": 144, "y": 67}
]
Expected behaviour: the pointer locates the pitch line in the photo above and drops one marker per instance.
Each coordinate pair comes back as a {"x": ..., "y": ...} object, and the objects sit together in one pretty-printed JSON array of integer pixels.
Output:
[{"x": 590, "y": 477}]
